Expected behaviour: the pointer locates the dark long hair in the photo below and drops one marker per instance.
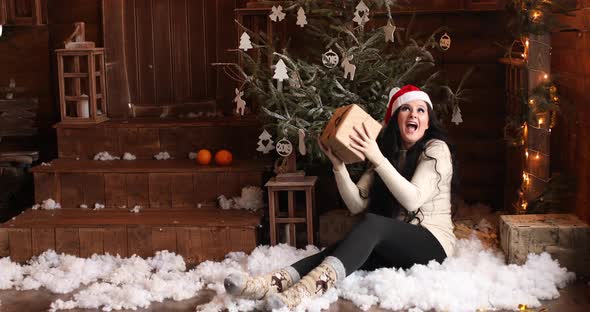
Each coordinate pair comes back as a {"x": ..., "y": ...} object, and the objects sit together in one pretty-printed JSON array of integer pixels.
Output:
[{"x": 381, "y": 201}]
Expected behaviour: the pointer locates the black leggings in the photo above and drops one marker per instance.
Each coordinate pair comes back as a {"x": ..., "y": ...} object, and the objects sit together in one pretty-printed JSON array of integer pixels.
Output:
[{"x": 379, "y": 242}]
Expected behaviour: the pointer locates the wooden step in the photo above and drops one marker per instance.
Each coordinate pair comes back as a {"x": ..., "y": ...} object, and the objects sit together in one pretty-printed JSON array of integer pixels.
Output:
[
  {"x": 152, "y": 184},
  {"x": 145, "y": 137},
  {"x": 206, "y": 234}
]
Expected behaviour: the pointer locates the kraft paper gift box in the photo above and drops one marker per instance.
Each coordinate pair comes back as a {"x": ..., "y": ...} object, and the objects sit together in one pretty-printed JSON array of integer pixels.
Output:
[{"x": 337, "y": 133}]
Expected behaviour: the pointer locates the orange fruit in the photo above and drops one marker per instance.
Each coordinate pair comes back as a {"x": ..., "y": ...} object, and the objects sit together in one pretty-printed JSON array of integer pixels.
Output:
[
  {"x": 223, "y": 158},
  {"x": 204, "y": 157}
]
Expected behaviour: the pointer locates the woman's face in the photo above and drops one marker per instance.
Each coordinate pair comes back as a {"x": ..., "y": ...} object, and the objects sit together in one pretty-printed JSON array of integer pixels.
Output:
[{"x": 412, "y": 121}]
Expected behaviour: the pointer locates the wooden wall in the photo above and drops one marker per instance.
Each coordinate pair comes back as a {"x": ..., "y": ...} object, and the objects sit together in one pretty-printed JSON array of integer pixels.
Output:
[
  {"x": 570, "y": 140},
  {"x": 161, "y": 52}
]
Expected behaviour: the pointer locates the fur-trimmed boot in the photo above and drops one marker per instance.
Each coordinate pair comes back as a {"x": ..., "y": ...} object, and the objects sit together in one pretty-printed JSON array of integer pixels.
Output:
[
  {"x": 314, "y": 284},
  {"x": 258, "y": 287}
]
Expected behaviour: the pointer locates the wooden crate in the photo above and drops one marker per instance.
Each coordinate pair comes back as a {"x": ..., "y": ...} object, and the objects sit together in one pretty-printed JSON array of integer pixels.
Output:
[
  {"x": 152, "y": 184},
  {"x": 335, "y": 224},
  {"x": 197, "y": 236},
  {"x": 564, "y": 236}
]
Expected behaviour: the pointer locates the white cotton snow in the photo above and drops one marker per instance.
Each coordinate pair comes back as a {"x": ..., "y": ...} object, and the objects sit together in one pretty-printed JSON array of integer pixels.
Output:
[
  {"x": 136, "y": 209},
  {"x": 162, "y": 156},
  {"x": 251, "y": 199},
  {"x": 84, "y": 206},
  {"x": 98, "y": 206},
  {"x": 105, "y": 156},
  {"x": 129, "y": 156},
  {"x": 473, "y": 279},
  {"x": 48, "y": 204},
  {"x": 192, "y": 155}
]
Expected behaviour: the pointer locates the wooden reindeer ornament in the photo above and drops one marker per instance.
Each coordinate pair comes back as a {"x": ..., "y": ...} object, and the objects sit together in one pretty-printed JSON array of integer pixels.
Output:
[
  {"x": 77, "y": 40},
  {"x": 240, "y": 103},
  {"x": 349, "y": 68}
]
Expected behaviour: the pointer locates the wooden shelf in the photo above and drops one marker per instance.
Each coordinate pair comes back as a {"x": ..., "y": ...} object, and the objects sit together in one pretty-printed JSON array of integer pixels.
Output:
[{"x": 146, "y": 166}]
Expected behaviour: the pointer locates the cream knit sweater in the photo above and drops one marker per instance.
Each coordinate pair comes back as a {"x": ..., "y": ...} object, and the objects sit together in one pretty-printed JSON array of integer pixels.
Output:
[{"x": 427, "y": 190}]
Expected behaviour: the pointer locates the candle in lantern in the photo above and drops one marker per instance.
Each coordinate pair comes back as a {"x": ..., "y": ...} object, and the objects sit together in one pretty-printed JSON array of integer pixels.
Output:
[{"x": 83, "y": 109}]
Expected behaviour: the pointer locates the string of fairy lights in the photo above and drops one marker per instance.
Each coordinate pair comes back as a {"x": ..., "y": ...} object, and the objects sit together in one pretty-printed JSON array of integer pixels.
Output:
[{"x": 542, "y": 104}]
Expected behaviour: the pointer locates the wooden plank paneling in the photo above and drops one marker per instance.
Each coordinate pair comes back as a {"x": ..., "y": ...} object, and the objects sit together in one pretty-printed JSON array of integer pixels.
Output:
[
  {"x": 72, "y": 192},
  {"x": 213, "y": 243},
  {"x": 115, "y": 187},
  {"x": 4, "y": 243},
  {"x": 160, "y": 190},
  {"x": 43, "y": 238},
  {"x": 91, "y": 241},
  {"x": 164, "y": 238},
  {"x": 189, "y": 244},
  {"x": 131, "y": 51},
  {"x": 115, "y": 241},
  {"x": 139, "y": 241},
  {"x": 206, "y": 187},
  {"x": 163, "y": 51},
  {"x": 198, "y": 46},
  {"x": 229, "y": 184},
  {"x": 242, "y": 239},
  {"x": 94, "y": 188},
  {"x": 137, "y": 190},
  {"x": 182, "y": 191},
  {"x": 180, "y": 50},
  {"x": 67, "y": 240},
  {"x": 20, "y": 244},
  {"x": 145, "y": 51},
  {"x": 118, "y": 92},
  {"x": 45, "y": 186}
]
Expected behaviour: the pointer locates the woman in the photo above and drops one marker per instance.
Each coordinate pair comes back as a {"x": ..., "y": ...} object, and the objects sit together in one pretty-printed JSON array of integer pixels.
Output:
[{"x": 406, "y": 192}]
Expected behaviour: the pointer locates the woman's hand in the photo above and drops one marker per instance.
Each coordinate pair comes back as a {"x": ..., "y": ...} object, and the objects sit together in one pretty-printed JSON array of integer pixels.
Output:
[
  {"x": 337, "y": 163},
  {"x": 364, "y": 143}
]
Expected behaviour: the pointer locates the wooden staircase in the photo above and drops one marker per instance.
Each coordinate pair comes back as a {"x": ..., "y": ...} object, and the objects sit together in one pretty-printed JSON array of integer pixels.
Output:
[{"x": 177, "y": 196}]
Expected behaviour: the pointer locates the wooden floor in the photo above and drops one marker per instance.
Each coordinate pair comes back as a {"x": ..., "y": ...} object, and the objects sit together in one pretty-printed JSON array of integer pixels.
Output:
[{"x": 574, "y": 298}]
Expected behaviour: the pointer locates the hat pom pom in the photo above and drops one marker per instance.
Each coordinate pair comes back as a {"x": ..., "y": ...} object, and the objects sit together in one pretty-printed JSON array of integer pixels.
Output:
[{"x": 393, "y": 92}]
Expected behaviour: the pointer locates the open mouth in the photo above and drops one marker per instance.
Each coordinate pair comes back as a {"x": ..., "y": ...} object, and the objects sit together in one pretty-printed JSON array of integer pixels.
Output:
[{"x": 411, "y": 127}]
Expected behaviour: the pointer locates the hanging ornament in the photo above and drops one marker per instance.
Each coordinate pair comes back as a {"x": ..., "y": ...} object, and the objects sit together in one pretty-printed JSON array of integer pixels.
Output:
[
  {"x": 284, "y": 147},
  {"x": 330, "y": 59},
  {"x": 295, "y": 81},
  {"x": 302, "y": 148},
  {"x": 457, "y": 119},
  {"x": 361, "y": 15},
  {"x": 280, "y": 71},
  {"x": 277, "y": 14},
  {"x": 349, "y": 68},
  {"x": 245, "y": 43},
  {"x": 240, "y": 103},
  {"x": 301, "y": 18},
  {"x": 445, "y": 42},
  {"x": 263, "y": 147},
  {"x": 389, "y": 32}
]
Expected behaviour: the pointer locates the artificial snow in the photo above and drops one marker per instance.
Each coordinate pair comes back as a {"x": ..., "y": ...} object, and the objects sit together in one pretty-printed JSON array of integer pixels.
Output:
[
  {"x": 192, "y": 155},
  {"x": 98, "y": 206},
  {"x": 475, "y": 278},
  {"x": 162, "y": 156},
  {"x": 105, "y": 156},
  {"x": 251, "y": 199},
  {"x": 48, "y": 204},
  {"x": 44, "y": 164},
  {"x": 84, "y": 206},
  {"x": 136, "y": 209},
  {"x": 129, "y": 156}
]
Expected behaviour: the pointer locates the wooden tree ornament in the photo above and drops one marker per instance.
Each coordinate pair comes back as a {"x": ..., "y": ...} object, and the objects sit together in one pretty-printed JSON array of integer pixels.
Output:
[{"x": 81, "y": 78}]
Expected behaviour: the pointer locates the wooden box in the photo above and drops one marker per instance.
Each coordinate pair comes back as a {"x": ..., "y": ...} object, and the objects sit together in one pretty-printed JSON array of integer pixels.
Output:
[
  {"x": 337, "y": 133},
  {"x": 335, "y": 224},
  {"x": 564, "y": 236}
]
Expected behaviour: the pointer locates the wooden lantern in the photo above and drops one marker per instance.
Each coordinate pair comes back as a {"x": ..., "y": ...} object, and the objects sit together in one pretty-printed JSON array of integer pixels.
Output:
[{"x": 81, "y": 77}]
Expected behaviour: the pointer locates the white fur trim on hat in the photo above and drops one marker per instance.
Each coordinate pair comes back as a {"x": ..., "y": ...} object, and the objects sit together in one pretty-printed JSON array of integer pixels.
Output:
[{"x": 408, "y": 97}]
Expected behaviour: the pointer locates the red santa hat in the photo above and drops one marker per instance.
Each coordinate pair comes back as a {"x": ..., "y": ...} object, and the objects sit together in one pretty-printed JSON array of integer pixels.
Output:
[{"x": 399, "y": 97}]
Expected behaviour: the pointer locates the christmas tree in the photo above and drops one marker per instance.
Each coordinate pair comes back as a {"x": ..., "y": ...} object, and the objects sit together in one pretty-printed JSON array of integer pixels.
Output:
[{"x": 316, "y": 83}]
